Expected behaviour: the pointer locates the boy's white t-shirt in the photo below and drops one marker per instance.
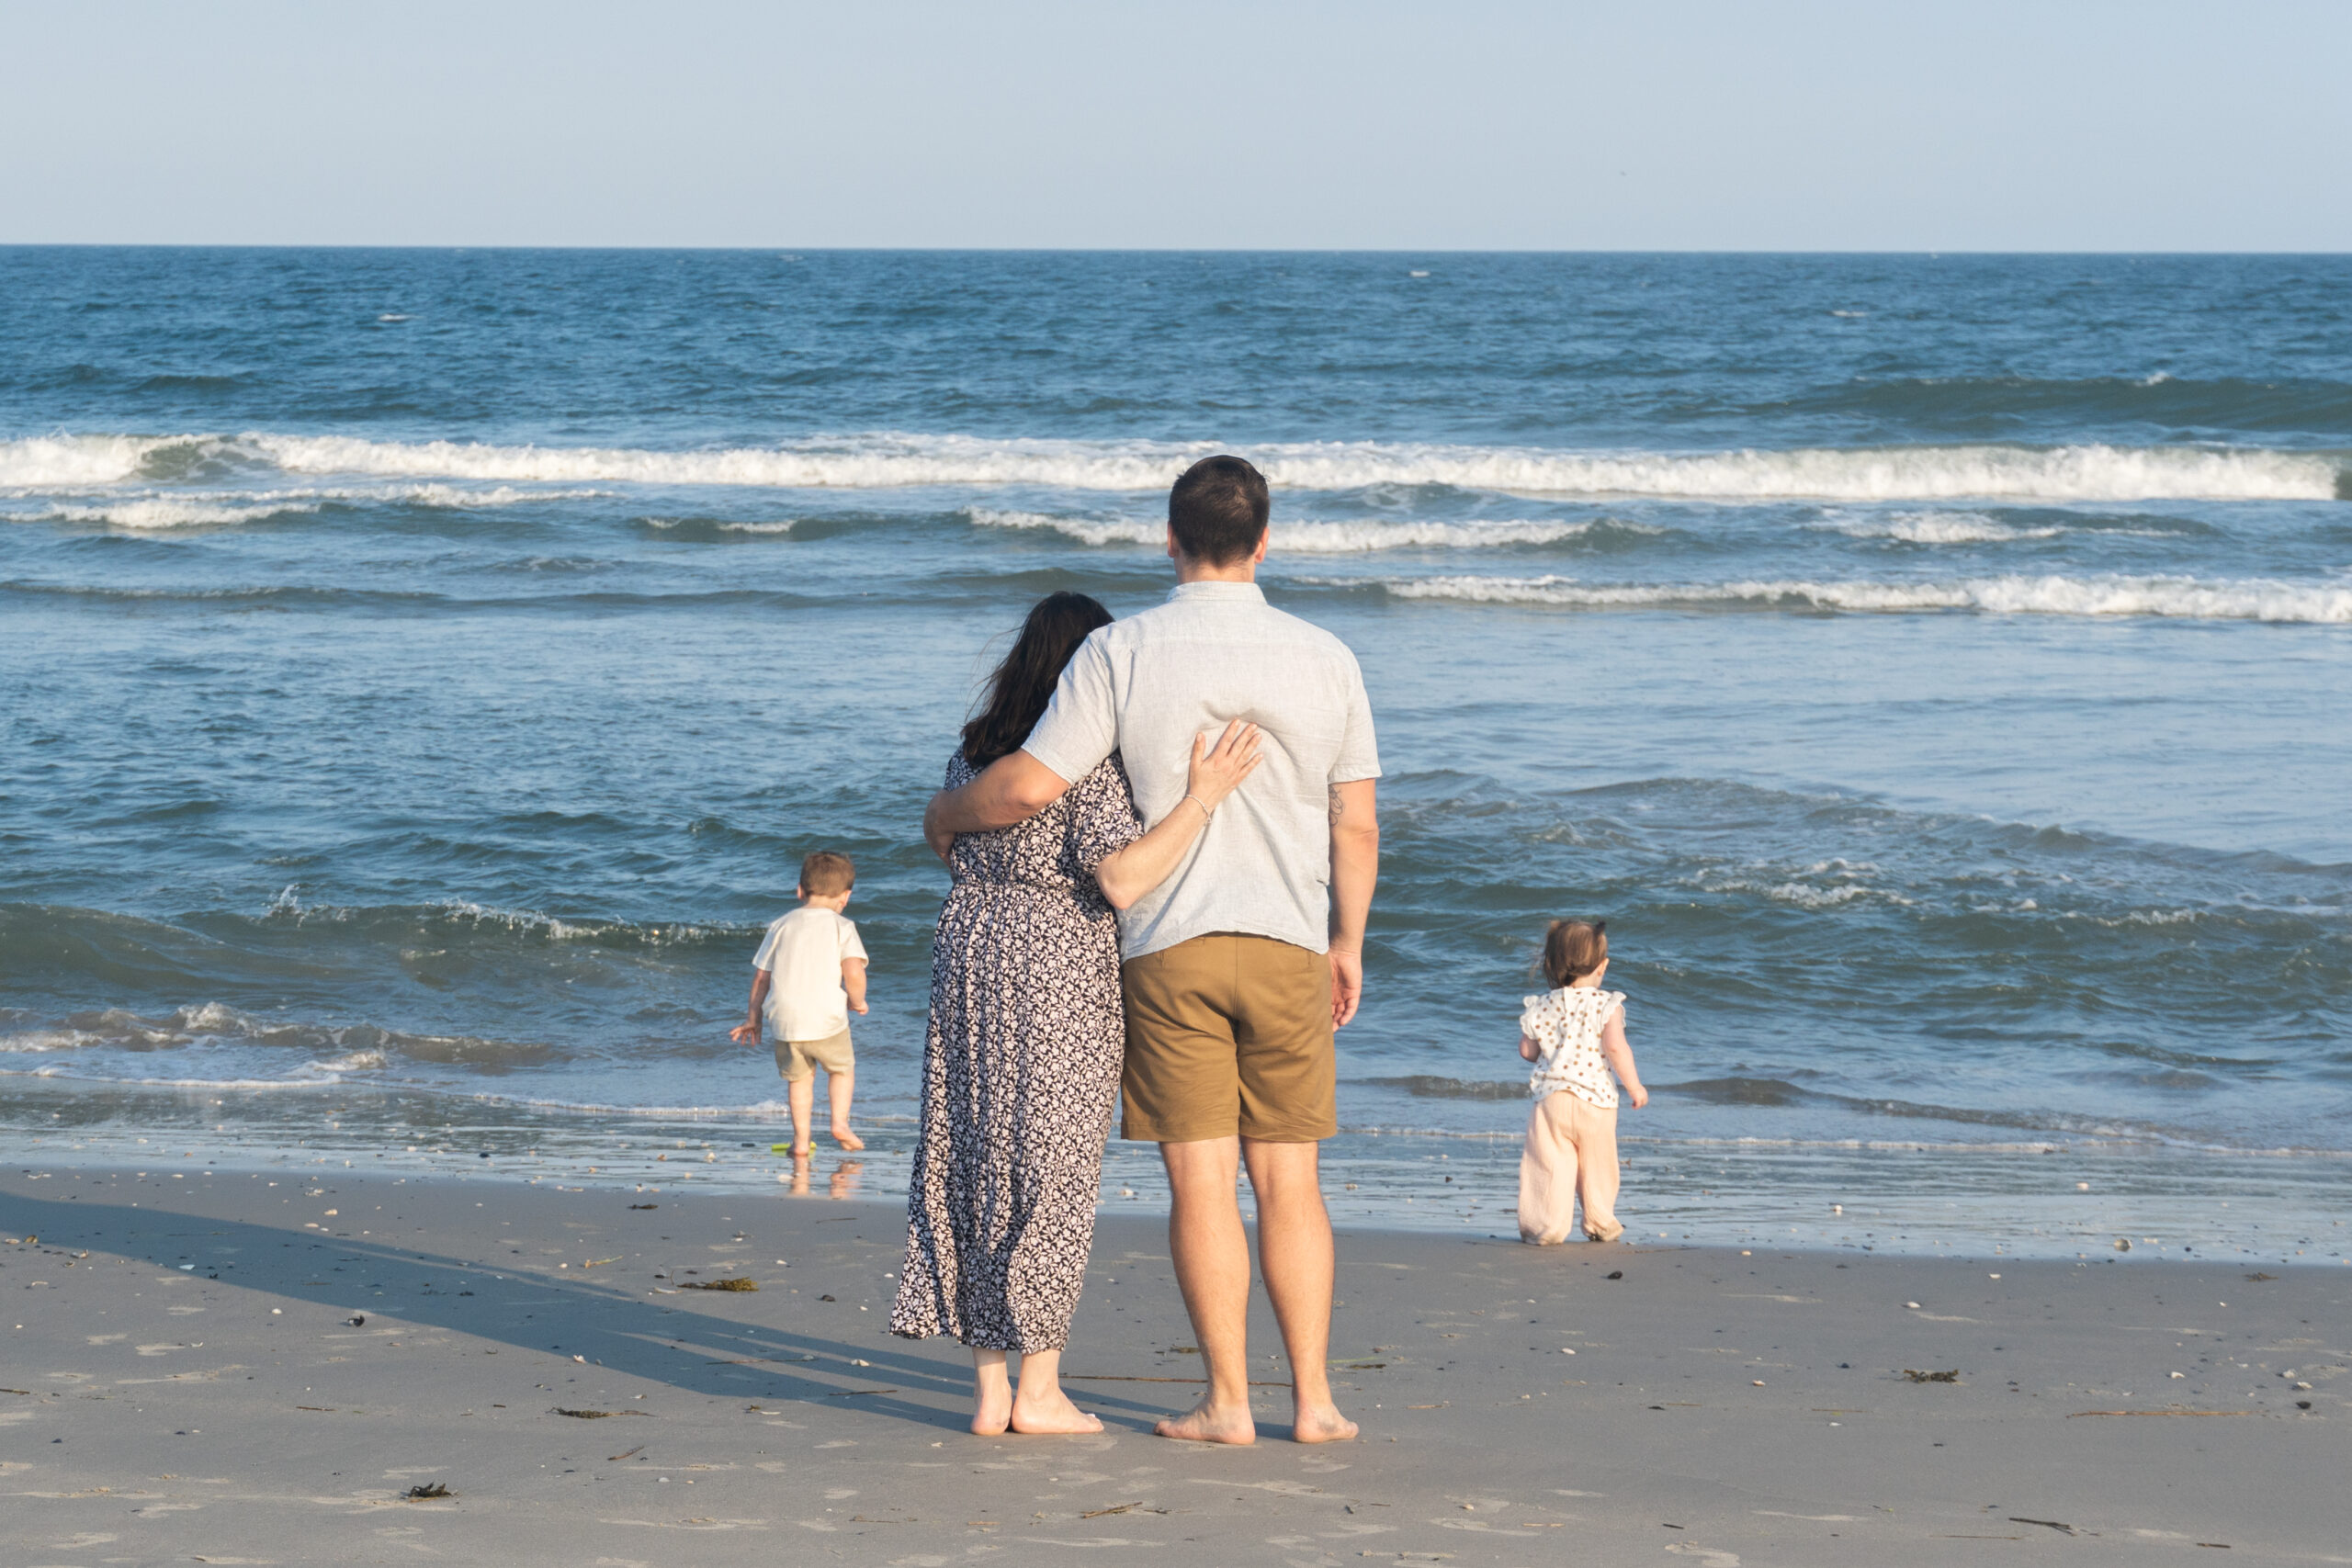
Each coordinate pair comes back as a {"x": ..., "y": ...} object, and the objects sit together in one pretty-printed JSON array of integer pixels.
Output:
[{"x": 803, "y": 954}]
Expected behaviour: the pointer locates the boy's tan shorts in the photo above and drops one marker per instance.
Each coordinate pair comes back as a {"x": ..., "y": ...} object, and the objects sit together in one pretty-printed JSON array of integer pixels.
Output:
[
  {"x": 1229, "y": 1034},
  {"x": 798, "y": 1060}
]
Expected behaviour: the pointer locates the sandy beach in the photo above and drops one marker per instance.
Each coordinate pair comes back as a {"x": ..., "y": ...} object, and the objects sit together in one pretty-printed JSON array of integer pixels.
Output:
[{"x": 259, "y": 1366}]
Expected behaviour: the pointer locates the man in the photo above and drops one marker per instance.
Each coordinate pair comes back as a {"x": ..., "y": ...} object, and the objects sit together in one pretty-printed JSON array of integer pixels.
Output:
[{"x": 1237, "y": 968}]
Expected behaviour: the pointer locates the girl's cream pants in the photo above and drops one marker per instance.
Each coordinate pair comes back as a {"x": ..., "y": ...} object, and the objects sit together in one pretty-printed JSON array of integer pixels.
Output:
[{"x": 1571, "y": 1152}]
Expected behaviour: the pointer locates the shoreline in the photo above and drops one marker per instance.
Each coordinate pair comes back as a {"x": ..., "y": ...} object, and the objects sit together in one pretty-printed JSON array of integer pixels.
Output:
[
  {"x": 186, "y": 1381},
  {"x": 2065, "y": 1201}
]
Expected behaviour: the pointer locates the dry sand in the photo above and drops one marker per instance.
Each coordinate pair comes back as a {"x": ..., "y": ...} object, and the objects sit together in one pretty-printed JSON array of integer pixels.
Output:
[{"x": 183, "y": 1384}]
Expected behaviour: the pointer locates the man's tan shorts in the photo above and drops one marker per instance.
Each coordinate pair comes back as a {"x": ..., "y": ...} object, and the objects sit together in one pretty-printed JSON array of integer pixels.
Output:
[
  {"x": 798, "y": 1060},
  {"x": 1229, "y": 1034}
]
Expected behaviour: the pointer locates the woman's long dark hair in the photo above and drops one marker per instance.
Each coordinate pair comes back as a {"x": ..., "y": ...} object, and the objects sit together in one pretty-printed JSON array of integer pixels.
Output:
[{"x": 1024, "y": 683}]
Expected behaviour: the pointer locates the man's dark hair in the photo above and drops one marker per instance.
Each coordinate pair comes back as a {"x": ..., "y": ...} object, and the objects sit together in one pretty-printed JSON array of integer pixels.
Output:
[{"x": 1217, "y": 511}]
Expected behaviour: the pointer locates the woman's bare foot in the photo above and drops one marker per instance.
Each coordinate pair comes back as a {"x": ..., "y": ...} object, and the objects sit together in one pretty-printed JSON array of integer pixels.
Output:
[
  {"x": 992, "y": 1394},
  {"x": 1207, "y": 1424},
  {"x": 849, "y": 1140},
  {"x": 802, "y": 1151},
  {"x": 1042, "y": 1414},
  {"x": 1322, "y": 1426}
]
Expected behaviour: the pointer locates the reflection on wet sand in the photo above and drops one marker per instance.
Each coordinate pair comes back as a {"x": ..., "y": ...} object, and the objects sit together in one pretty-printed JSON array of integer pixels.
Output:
[{"x": 842, "y": 1183}]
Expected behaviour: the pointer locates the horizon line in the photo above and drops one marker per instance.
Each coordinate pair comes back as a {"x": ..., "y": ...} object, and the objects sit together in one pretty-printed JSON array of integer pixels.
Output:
[{"x": 1928, "y": 253}]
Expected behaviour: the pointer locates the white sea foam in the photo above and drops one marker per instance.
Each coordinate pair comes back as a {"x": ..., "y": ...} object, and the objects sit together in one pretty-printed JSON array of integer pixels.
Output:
[
  {"x": 81, "y": 1076},
  {"x": 855, "y": 462},
  {"x": 765, "y": 1109},
  {"x": 1348, "y": 538},
  {"x": 461, "y": 497},
  {"x": 667, "y": 524},
  {"x": 1804, "y": 895},
  {"x": 288, "y": 906},
  {"x": 2247, "y": 599},
  {"x": 46, "y": 462},
  {"x": 37, "y": 1041},
  {"x": 1938, "y": 529},
  {"x": 172, "y": 512},
  {"x": 160, "y": 509},
  {"x": 2102, "y": 473},
  {"x": 887, "y": 458},
  {"x": 556, "y": 930},
  {"x": 1305, "y": 538},
  {"x": 1095, "y": 531},
  {"x": 356, "y": 1047},
  {"x": 351, "y": 1062}
]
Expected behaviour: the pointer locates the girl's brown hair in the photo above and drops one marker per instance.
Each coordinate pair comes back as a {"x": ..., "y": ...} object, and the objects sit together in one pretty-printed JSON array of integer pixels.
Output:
[{"x": 1573, "y": 949}]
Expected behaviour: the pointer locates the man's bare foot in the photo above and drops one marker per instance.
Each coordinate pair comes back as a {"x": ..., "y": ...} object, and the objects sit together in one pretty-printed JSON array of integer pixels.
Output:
[
  {"x": 1206, "y": 1424},
  {"x": 802, "y": 1151},
  {"x": 849, "y": 1140},
  {"x": 1325, "y": 1425},
  {"x": 1042, "y": 1414}
]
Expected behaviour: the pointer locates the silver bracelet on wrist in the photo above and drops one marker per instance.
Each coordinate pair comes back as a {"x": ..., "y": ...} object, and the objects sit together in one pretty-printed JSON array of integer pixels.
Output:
[{"x": 1206, "y": 815}]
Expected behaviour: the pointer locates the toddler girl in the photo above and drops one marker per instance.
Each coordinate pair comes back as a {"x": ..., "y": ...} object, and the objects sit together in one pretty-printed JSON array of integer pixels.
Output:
[{"x": 1576, "y": 1036}]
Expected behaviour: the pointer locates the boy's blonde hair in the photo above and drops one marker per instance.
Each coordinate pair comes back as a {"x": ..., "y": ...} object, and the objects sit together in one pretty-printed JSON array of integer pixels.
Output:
[
  {"x": 1573, "y": 949},
  {"x": 825, "y": 873}
]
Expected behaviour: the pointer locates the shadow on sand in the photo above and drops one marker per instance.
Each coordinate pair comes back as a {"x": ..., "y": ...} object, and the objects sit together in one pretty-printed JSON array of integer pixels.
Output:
[{"x": 720, "y": 1344}]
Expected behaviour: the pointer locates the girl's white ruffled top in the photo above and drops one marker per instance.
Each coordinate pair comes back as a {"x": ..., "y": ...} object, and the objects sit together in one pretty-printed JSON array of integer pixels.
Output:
[{"x": 1566, "y": 1026}]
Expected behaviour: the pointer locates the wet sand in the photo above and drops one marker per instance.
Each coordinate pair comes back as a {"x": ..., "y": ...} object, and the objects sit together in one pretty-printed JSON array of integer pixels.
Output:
[{"x": 184, "y": 1382}]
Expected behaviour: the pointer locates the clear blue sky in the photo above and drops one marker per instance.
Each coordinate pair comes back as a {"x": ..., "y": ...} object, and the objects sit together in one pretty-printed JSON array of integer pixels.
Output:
[{"x": 1455, "y": 124}]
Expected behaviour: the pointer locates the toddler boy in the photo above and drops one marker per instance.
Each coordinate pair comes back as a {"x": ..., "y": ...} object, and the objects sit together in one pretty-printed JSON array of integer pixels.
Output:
[{"x": 808, "y": 977}]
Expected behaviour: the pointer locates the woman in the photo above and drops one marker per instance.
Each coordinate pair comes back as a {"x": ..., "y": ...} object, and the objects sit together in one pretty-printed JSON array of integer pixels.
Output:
[{"x": 1020, "y": 1065}]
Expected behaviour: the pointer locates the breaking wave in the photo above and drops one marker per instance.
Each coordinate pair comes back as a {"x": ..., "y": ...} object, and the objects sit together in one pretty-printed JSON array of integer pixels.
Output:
[
  {"x": 171, "y": 512},
  {"x": 700, "y": 529},
  {"x": 1939, "y": 528},
  {"x": 46, "y": 462},
  {"x": 208, "y": 508},
  {"x": 358, "y": 1048},
  {"x": 881, "y": 459},
  {"x": 1304, "y": 538},
  {"x": 1431, "y": 1086},
  {"x": 2247, "y": 599},
  {"x": 459, "y": 917}
]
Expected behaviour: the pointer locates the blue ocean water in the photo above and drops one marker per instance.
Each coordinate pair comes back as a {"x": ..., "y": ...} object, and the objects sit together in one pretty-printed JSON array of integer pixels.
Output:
[{"x": 423, "y": 669}]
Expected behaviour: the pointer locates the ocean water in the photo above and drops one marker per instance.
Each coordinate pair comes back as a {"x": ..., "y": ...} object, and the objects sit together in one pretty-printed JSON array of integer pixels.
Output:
[{"x": 421, "y": 671}]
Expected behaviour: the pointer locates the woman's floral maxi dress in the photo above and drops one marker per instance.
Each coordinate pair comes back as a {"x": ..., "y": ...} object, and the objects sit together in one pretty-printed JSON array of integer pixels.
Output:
[{"x": 1020, "y": 1074}]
